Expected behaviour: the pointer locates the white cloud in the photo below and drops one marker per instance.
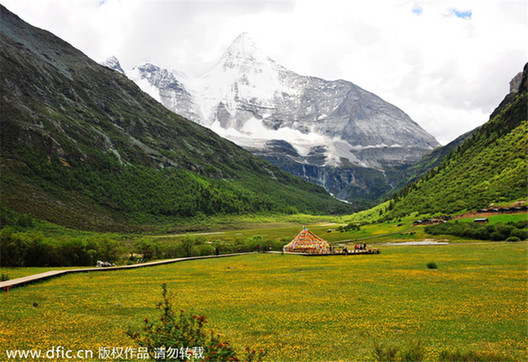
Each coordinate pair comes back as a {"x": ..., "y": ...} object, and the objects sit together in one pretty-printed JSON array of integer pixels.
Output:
[{"x": 447, "y": 71}]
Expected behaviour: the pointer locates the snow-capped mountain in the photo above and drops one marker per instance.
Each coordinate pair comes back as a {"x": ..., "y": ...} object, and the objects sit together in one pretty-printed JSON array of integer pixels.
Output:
[
  {"x": 113, "y": 63},
  {"x": 331, "y": 132}
]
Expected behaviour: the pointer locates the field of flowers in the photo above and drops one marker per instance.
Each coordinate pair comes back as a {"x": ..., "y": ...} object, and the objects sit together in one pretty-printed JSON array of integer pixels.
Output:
[{"x": 298, "y": 308}]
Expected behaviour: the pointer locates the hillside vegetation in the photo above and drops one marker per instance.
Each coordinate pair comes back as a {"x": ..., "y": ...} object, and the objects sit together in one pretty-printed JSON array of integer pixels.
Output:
[
  {"x": 83, "y": 146},
  {"x": 489, "y": 167},
  {"x": 429, "y": 162}
]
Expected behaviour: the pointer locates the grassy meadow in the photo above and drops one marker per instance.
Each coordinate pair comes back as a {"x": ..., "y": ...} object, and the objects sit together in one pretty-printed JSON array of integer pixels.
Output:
[{"x": 297, "y": 308}]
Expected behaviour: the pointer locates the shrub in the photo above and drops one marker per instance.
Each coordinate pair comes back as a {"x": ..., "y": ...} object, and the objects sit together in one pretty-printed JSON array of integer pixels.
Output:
[
  {"x": 4, "y": 277},
  {"x": 520, "y": 224},
  {"x": 31, "y": 248},
  {"x": 384, "y": 353},
  {"x": 177, "y": 331},
  {"x": 520, "y": 233},
  {"x": 413, "y": 352},
  {"x": 189, "y": 243},
  {"x": 480, "y": 234},
  {"x": 12, "y": 218},
  {"x": 498, "y": 232},
  {"x": 205, "y": 249},
  {"x": 468, "y": 356},
  {"x": 24, "y": 221},
  {"x": 505, "y": 230},
  {"x": 497, "y": 236},
  {"x": 432, "y": 265},
  {"x": 513, "y": 239},
  {"x": 149, "y": 249}
]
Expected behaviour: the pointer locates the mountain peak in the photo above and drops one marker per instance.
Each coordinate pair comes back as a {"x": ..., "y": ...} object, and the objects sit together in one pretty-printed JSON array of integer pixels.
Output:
[
  {"x": 243, "y": 42},
  {"x": 113, "y": 63},
  {"x": 243, "y": 50}
]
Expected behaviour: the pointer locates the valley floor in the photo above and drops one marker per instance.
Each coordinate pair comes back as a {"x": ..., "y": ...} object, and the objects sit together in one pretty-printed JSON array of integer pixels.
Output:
[{"x": 297, "y": 308}]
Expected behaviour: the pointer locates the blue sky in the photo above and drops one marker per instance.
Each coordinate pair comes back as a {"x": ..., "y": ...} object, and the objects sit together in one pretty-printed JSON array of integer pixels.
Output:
[
  {"x": 417, "y": 10},
  {"x": 462, "y": 14}
]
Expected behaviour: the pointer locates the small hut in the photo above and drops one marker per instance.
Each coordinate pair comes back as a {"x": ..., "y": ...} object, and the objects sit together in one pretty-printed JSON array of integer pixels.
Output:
[{"x": 308, "y": 243}]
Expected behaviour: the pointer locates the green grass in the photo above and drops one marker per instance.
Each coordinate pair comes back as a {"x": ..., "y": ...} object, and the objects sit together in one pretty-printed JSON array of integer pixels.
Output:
[
  {"x": 504, "y": 218},
  {"x": 369, "y": 215},
  {"x": 299, "y": 308}
]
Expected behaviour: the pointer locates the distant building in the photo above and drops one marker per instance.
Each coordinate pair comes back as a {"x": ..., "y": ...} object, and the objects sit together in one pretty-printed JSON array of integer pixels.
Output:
[{"x": 481, "y": 220}]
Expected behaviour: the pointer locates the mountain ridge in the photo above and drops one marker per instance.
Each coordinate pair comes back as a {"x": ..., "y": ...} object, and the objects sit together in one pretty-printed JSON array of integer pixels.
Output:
[{"x": 83, "y": 146}]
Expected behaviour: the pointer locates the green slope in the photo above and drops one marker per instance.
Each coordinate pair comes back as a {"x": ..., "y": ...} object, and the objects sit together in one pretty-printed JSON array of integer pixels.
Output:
[
  {"x": 489, "y": 167},
  {"x": 429, "y": 162},
  {"x": 83, "y": 146}
]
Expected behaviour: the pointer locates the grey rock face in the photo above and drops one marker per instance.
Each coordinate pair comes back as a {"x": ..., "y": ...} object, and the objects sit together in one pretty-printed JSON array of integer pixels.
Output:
[
  {"x": 298, "y": 122},
  {"x": 515, "y": 83},
  {"x": 164, "y": 87}
]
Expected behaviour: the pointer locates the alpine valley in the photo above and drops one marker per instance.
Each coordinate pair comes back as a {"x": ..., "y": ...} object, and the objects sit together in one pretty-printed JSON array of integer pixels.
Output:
[
  {"x": 332, "y": 133},
  {"x": 83, "y": 146}
]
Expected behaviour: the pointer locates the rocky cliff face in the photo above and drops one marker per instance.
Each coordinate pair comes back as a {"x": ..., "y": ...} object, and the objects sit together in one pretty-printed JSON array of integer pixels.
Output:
[
  {"x": 165, "y": 88},
  {"x": 298, "y": 122}
]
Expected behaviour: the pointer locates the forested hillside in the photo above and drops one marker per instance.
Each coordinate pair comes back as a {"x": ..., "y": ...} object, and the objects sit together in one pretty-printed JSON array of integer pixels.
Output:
[
  {"x": 430, "y": 161},
  {"x": 83, "y": 146},
  {"x": 489, "y": 167}
]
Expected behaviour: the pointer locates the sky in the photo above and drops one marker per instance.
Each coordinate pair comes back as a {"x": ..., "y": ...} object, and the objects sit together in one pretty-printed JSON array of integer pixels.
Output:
[{"x": 445, "y": 63}]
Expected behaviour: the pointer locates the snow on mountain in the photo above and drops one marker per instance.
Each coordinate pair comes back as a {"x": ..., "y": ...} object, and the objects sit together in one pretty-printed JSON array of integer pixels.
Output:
[
  {"x": 290, "y": 119},
  {"x": 244, "y": 73},
  {"x": 113, "y": 63},
  {"x": 163, "y": 86}
]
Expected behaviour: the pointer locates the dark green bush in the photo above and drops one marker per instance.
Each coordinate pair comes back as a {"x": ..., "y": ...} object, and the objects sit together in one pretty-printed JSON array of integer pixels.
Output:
[
  {"x": 11, "y": 218},
  {"x": 32, "y": 249},
  {"x": 519, "y": 224},
  {"x": 205, "y": 249},
  {"x": 190, "y": 245},
  {"x": 513, "y": 239},
  {"x": 432, "y": 265},
  {"x": 469, "y": 356},
  {"x": 177, "y": 330},
  {"x": 522, "y": 234},
  {"x": 382, "y": 352},
  {"x": 497, "y": 232},
  {"x": 415, "y": 351},
  {"x": 497, "y": 236}
]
